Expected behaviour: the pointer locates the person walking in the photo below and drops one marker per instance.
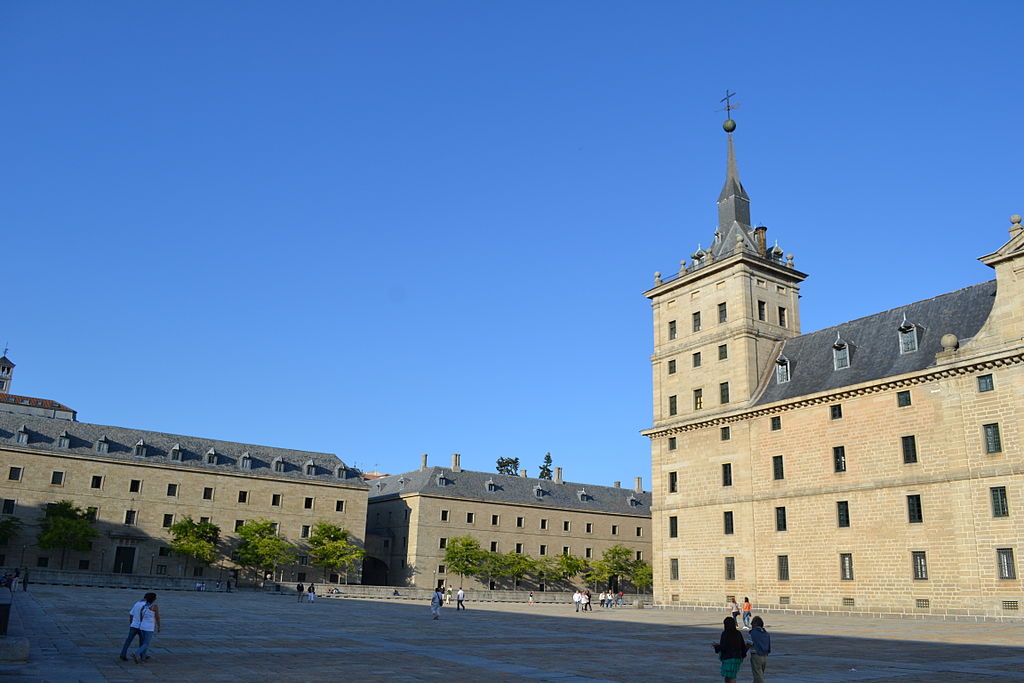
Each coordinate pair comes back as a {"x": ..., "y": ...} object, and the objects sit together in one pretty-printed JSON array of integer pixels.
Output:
[
  {"x": 459, "y": 598},
  {"x": 301, "y": 591},
  {"x": 311, "y": 592},
  {"x": 577, "y": 598},
  {"x": 746, "y": 614},
  {"x": 436, "y": 601},
  {"x": 145, "y": 621},
  {"x": 735, "y": 609},
  {"x": 731, "y": 650},
  {"x": 448, "y": 595},
  {"x": 530, "y": 601},
  {"x": 586, "y": 601},
  {"x": 761, "y": 644}
]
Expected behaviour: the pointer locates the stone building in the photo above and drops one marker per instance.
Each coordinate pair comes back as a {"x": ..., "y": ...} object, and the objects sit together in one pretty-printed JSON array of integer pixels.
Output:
[
  {"x": 873, "y": 466},
  {"x": 137, "y": 483},
  {"x": 411, "y": 516}
]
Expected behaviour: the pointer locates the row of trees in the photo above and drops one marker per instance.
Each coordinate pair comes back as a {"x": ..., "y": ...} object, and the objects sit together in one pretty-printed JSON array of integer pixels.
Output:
[
  {"x": 511, "y": 466},
  {"x": 67, "y": 527},
  {"x": 464, "y": 556}
]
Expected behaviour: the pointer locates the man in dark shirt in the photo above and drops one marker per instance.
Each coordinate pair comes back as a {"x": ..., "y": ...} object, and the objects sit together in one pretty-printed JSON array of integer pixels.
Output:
[{"x": 761, "y": 647}]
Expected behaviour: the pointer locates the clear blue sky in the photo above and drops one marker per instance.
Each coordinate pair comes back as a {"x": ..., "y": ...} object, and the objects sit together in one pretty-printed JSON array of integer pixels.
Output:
[{"x": 380, "y": 229}]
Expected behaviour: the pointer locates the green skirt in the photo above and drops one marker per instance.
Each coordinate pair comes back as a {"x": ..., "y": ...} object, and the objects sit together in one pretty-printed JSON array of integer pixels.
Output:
[{"x": 731, "y": 667}]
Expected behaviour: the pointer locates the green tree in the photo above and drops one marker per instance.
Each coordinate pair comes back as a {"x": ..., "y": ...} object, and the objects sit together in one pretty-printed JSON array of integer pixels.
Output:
[
  {"x": 518, "y": 565},
  {"x": 569, "y": 566},
  {"x": 616, "y": 561},
  {"x": 66, "y": 527},
  {"x": 492, "y": 566},
  {"x": 508, "y": 466},
  {"x": 545, "y": 469},
  {"x": 9, "y": 529},
  {"x": 463, "y": 556},
  {"x": 196, "y": 540},
  {"x": 641, "y": 575},
  {"x": 260, "y": 549},
  {"x": 332, "y": 548}
]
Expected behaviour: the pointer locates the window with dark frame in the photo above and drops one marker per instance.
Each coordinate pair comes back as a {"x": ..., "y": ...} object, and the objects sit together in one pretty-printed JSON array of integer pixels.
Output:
[
  {"x": 172, "y": 490},
  {"x": 903, "y": 399},
  {"x": 762, "y": 310},
  {"x": 915, "y": 514},
  {"x": 730, "y": 568},
  {"x": 207, "y": 493},
  {"x": 723, "y": 351},
  {"x": 1000, "y": 506},
  {"x": 836, "y": 411},
  {"x": 57, "y": 478},
  {"x": 843, "y": 513},
  {"x": 168, "y": 520},
  {"x": 673, "y": 569},
  {"x": 243, "y": 496},
  {"x": 672, "y": 405},
  {"x": 696, "y": 359},
  {"x": 97, "y": 482},
  {"x": 723, "y": 313},
  {"x": 919, "y": 560},
  {"x": 726, "y": 474},
  {"x": 698, "y": 399},
  {"x": 985, "y": 383},
  {"x": 672, "y": 443},
  {"x": 671, "y": 367},
  {"x": 14, "y": 474},
  {"x": 135, "y": 486},
  {"x": 778, "y": 467},
  {"x": 727, "y": 523},
  {"x": 783, "y": 563},
  {"x": 993, "y": 442},
  {"x": 1007, "y": 565},
  {"x": 725, "y": 433},
  {"x": 776, "y": 423},
  {"x": 673, "y": 527},
  {"x": 839, "y": 458},
  {"x": 909, "y": 445},
  {"x": 723, "y": 392},
  {"x": 673, "y": 482},
  {"x": 846, "y": 566},
  {"x": 783, "y": 319},
  {"x": 696, "y": 321},
  {"x": 780, "y": 519},
  {"x": 671, "y": 329}
]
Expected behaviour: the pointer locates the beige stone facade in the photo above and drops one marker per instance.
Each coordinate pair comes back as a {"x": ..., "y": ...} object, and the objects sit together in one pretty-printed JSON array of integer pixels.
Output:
[
  {"x": 409, "y": 523},
  {"x": 137, "y": 491},
  {"x": 872, "y": 467}
]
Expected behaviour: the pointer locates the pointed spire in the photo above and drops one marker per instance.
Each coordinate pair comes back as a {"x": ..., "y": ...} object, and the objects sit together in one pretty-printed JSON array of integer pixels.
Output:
[{"x": 733, "y": 202}]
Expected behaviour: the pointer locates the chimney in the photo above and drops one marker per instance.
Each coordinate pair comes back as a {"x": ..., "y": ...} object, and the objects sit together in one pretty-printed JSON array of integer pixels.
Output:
[
  {"x": 639, "y": 485},
  {"x": 761, "y": 240},
  {"x": 617, "y": 484},
  {"x": 558, "y": 475},
  {"x": 456, "y": 467},
  {"x": 423, "y": 461},
  {"x": 522, "y": 473}
]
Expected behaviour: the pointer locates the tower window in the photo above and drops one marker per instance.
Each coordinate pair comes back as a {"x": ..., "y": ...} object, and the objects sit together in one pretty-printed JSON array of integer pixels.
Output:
[
  {"x": 672, "y": 405},
  {"x": 776, "y": 423},
  {"x": 993, "y": 443},
  {"x": 726, "y": 433},
  {"x": 97, "y": 481},
  {"x": 727, "y": 522},
  {"x": 762, "y": 311},
  {"x": 780, "y": 519},
  {"x": 839, "y": 458},
  {"x": 783, "y": 562},
  {"x": 723, "y": 351},
  {"x": 783, "y": 321},
  {"x": 846, "y": 566},
  {"x": 278, "y": 465},
  {"x": 723, "y": 312},
  {"x": 671, "y": 367},
  {"x": 843, "y": 513},
  {"x": 723, "y": 392},
  {"x": 1007, "y": 566},
  {"x": 1000, "y": 508},
  {"x": 836, "y": 411},
  {"x": 726, "y": 474},
  {"x": 903, "y": 399},
  {"x": 920, "y": 562},
  {"x": 698, "y": 399},
  {"x": 730, "y": 569},
  {"x": 985, "y": 383},
  {"x": 696, "y": 360},
  {"x": 696, "y": 321},
  {"x": 909, "y": 449},
  {"x": 673, "y": 482},
  {"x": 673, "y": 527},
  {"x": 781, "y": 371},
  {"x": 672, "y": 444},
  {"x": 915, "y": 514},
  {"x": 778, "y": 470},
  {"x": 671, "y": 329},
  {"x": 673, "y": 569}
]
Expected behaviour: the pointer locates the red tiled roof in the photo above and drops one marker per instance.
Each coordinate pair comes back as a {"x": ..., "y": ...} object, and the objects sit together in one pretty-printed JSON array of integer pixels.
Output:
[{"x": 33, "y": 402}]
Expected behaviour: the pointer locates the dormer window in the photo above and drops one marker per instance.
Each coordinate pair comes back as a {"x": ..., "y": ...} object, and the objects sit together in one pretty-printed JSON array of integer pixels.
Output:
[
  {"x": 245, "y": 462},
  {"x": 401, "y": 483},
  {"x": 379, "y": 486},
  {"x": 140, "y": 449},
  {"x": 278, "y": 464},
  {"x": 908, "y": 337},
  {"x": 781, "y": 370},
  {"x": 538, "y": 491},
  {"x": 633, "y": 501},
  {"x": 102, "y": 445},
  {"x": 310, "y": 468},
  {"x": 583, "y": 495},
  {"x": 63, "y": 440},
  {"x": 441, "y": 479},
  {"x": 22, "y": 436},
  {"x": 491, "y": 486},
  {"x": 176, "y": 453},
  {"x": 211, "y": 457},
  {"x": 341, "y": 472},
  {"x": 840, "y": 354}
]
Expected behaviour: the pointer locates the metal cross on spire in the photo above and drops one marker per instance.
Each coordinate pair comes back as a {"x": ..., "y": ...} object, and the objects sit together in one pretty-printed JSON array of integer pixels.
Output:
[{"x": 729, "y": 106}]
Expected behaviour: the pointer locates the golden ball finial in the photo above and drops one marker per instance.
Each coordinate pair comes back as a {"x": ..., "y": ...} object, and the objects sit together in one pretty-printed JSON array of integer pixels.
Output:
[{"x": 729, "y": 125}]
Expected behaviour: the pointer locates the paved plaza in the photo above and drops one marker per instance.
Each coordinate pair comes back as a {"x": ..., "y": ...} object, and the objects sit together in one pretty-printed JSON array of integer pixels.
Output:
[{"x": 76, "y": 634}]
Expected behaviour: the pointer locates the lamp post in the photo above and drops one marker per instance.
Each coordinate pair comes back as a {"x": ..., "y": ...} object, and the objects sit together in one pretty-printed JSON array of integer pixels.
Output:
[{"x": 152, "y": 560}]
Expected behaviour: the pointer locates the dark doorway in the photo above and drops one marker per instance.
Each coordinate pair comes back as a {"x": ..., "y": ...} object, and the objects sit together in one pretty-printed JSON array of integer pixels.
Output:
[{"x": 124, "y": 560}]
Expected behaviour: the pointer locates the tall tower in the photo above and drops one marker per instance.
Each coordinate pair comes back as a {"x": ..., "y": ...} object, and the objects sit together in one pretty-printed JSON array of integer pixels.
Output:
[{"x": 6, "y": 372}]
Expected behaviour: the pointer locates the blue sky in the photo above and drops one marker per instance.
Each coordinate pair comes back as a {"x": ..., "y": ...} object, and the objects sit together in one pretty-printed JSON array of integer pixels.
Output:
[{"x": 392, "y": 228}]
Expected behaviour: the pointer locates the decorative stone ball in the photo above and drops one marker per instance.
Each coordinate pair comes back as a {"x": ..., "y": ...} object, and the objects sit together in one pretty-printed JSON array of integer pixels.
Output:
[
  {"x": 1015, "y": 218},
  {"x": 729, "y": 125},
  {"x": 949, "y": 342}
]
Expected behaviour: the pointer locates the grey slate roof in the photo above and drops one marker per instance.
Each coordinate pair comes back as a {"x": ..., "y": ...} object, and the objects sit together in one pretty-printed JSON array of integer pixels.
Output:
[
  {"x": 45, "y": 434},
  {"x": 510, "y": 489},
  {"x": 874, "y": 343}
]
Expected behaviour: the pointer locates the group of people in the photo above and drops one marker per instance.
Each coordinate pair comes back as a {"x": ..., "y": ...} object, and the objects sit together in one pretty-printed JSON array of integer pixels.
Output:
[
  {"x": 607, "y": 600},
  {"x": 309, "y": 592},
  {"x": 732, "y": 649},
  {"x": 441, "y": 598}
]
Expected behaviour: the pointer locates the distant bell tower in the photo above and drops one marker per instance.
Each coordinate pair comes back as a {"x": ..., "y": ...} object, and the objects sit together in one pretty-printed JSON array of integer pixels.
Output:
[
  {"x": 6, "y": 372},
  {"x": 718, "y": 320}
]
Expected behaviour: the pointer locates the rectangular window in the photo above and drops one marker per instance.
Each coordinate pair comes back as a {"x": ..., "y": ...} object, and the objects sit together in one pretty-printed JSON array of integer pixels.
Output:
[
  {"x": 639, "y": 555},
  {"x": 470, "y": 517},
  {"x": 673, "y": 406},
  {"x": 698, "y": 399},
  {"x": 762, "y": 310},
  {"x": 168, "y": 520},
  {"x": 723, "y": 313},
  {"x": 915, "y": 515},
  {"x": 161, "y": 569},
  {"x": 723, "y": 351},
  {"x": 639, "y": 531},
  {"x": 1000, "y": 508},
  {"x": 783, "y": 321},
  {"x": 494, "y": 520},
  {"x": 1007, "y": 566},
  {"x": 985, "y": 383},
  {"x": 588, "y": 553},
  {"x": 778, "y": 467},
  {"x": 846, "y": 566},
  {"x": 304, "y": 531},
  {"x": 520, "y": 522},
  {"x": 671, "y": 367},
  {"x": 726, "y": 474},
  {"x": 673, "y": 569},
  {"x": 339, "y": 506},
  {"x": 239, "y": 523},
  {"x": 723, "y": 392},
  {"x": 672, "y": 443},
  {"x": 307, "y": 504},
  {"x": 696, "y": 321},
  {"x": 565, "y": 525},
  {"x": 783, "y": 561},
  {"x": 780, "y": 519},
  {"x": 204, "y": 520},
  {"x": 671, "y": 329},
  {"x": 781, "y": 371},
  {"x": 243, "y": 496},
  {"x": 543, "y": 524},
  {"x": 8, "y": 506},
  {"x": 543, "y": 550},
  {"x": 494, "y": 546},
  {"x": 565, "y": 550},
  {"x": 172, "y": 490},
  {"x": 135, "y": 486},
  {"x": 673, "y": 527},
  {"x": 442, "y": 543},
  {"x": 129, "y": 517},
  {"x": 920, "y": 562},
  {"x": 903, "y": 399},
  {"x": 589, "y": 528},
  {"x": 993, "y": 443},
  {"x": 57, "y": 479},
  {"x": 519, "y": 548},
  {"x": 776, "y": 423},
  {"x": 909, "y": 449},
  {"x": 843, "y": 513},
  {"x": 725, "y": 433},
  {"x": 444, "y": 515},
  {"x": 97, "y": 482},
  {"x": 839, "y": 458},
  {"x": 836, "y": 411},
  {"x": 727, "y": 524},
  {"x": 14, "y": 474},
  {"x": 208, "y": 493},
  {"x": 615, "y": 529},
  {"x": 730, "y": 569},
  {"x": 275, "y": 499},
  {"x": 696, "y": 359}
]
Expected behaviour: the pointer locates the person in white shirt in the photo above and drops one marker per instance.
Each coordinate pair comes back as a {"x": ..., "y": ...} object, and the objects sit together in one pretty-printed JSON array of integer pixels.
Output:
[
  {"x": 459, "y": 597},
  {"x": 577, "y": 598},
  {"x": 436, "y": 600},
  {"x": 143, "y": 621}
]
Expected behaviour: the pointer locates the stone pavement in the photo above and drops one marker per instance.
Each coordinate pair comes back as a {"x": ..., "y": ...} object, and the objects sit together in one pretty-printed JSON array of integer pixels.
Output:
[{"x": 77, "y": 633}]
